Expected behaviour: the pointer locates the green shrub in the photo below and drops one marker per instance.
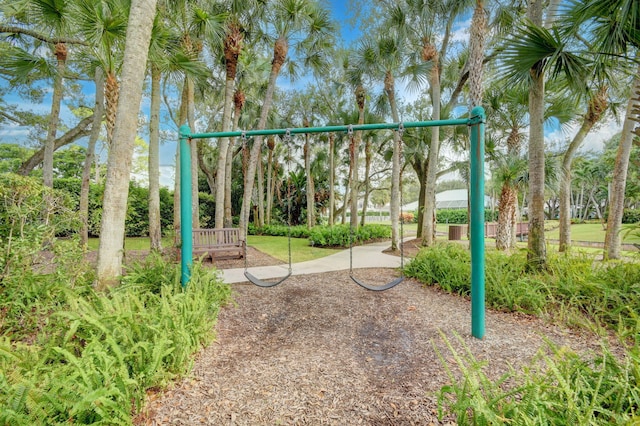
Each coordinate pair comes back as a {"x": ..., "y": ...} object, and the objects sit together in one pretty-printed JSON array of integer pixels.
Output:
[
  {"x": 460, "y": 216},
  {"x": 558, "y": 388},
  {"x": 341, "y": 235},
  {"x": 573, "y": 289},
  {"x": 298, "y": 231},
  {"x": 106, "y": 350},
  {"x": 631, "y": 216}
]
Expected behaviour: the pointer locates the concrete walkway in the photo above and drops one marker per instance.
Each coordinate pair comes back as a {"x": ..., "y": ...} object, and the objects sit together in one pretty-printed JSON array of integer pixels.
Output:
[{"x": 367, "y": 256}]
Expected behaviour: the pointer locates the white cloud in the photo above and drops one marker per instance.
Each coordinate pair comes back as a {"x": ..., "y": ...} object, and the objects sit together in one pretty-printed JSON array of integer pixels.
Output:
[{"x": 594, "y": 141}]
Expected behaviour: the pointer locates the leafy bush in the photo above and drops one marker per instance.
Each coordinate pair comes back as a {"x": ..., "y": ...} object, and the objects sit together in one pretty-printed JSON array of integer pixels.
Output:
[
  {"x": 101, "y": 352},
  {"x": 341, "y": 235},
  {"x": 559, "y": 387},
  {"x": 631, "y": 216},
  {"x": 25, "y": 204},
  {"x": 460, "y": 216},
  {"x": 573, "y": 289},
  {"x": 298, "y": 231}
]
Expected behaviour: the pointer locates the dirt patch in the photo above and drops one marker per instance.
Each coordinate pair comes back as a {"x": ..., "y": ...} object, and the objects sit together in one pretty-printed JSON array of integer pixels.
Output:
[{"x": 320, "y": 350}]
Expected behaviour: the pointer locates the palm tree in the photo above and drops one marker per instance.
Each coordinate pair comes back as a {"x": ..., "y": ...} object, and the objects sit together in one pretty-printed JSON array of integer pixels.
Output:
[
  {"x": 116, "y": 190},
  {"x": 595, "y": 110},
  {"x": 240, "y": 14},
  {"x": 309, "y": 27},
  {"x": 381, "y": 58},
  {"x": 98, "y": 113},
  {"x": 612, "y": 30}
]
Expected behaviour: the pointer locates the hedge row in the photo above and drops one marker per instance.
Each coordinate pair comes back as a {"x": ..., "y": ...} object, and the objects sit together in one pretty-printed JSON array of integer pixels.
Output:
[{"x": 342, "y": 236}]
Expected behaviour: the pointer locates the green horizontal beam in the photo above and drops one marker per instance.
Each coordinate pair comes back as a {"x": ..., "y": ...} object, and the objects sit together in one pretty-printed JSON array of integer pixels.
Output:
[{"x": 327, "y": 129}]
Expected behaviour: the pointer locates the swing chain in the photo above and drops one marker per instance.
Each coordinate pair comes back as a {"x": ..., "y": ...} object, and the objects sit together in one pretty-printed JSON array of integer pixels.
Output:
[{"x": 350, "y": 130}]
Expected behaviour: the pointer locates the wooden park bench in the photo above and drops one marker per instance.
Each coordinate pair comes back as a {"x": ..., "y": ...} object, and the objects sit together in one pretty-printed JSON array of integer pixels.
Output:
[{"x": 211, "y": 242}]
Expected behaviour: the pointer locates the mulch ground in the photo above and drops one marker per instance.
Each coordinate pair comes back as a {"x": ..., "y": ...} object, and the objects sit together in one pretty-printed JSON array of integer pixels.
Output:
[{"x": 320, "y": 350}]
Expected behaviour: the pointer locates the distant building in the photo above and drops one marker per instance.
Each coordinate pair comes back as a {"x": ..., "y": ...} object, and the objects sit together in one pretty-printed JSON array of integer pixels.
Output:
[{"x": 452, "y": 199}]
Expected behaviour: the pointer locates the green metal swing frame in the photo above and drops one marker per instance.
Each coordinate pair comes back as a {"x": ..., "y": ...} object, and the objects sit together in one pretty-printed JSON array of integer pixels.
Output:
[{"x": 476, "y": 124}]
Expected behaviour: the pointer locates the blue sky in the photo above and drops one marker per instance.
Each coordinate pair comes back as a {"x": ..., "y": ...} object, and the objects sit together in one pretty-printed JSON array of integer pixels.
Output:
[{"x": 341, "y": 14}]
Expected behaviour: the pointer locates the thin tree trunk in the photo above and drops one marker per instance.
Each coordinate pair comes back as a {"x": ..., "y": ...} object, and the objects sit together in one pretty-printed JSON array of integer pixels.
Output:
[
  {"x": 98, "y": 113},
  {"x": 310, "y": 190},
  {"x": 260, "y": 193},
  {"x": 428, "y": 223},
  {"x": 280, "y": 54},
  {"x": 182, "y": 119},
  {"x": 537, "y": 254},
  {"x": 116, "y": 189},
  {"x": 155, "y": 227},
  {"x": 347, "y": 194},
  {"x": 228, "y": 176},
  {"x": 394, "y": 204},
  {"x": 354, "y": 154},
  {"x": 332, "y": 178},
  {"x": 597, "y": 106},
  {"x": 612, "y": 239},
  {"x": 54, "y": 119},
  {"x": 367, "y": 180},
  {"x": 270, "y": 181},
  {"x": 223, "y": 147},
  {"x": 195, "y": 199}
]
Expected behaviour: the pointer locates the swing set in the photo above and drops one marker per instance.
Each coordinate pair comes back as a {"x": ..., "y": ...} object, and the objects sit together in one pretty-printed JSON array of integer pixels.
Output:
[{"x": 476, "y": 124}]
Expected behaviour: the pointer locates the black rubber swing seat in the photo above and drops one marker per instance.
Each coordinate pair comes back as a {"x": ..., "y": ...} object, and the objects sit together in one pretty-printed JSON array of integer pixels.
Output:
[
  {"x": 387, "y": 286},
  {"x": 265, "y": 284}
]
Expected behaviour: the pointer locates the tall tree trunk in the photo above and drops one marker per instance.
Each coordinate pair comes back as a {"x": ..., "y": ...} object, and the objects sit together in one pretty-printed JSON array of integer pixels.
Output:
[
  {"x": 394, "y": 204},
  {"x": 428, "y": 222},
  {"x": 281, "y": 48},
  {"x": 367, "y": 180},
  {"x": 332, "y": 178},
  {"x": 195, "y": 199},
  {"x": 271, "y": 144},
  {"x": 616, "y": 206},
  {"x": 354, "y": 153},
  {"x": 223, "y": 148},
  {"x": 98, "y": 113},
  {"x": 597, "y": 106},
  {"x": 54, "y": 117},
  {"x": 116, "y": 189},
  {"x": 260, "y": 193},
  {"x": 232, "y": 46},
  {"x": 155, "y": 228},
  {"x": 238, "y": 101},
  {"x": 537, "y": 254},
  {"x": 345, "y": 204},
  {"x": 182, "y": 119},
  {"x": 310, "y": 190}
]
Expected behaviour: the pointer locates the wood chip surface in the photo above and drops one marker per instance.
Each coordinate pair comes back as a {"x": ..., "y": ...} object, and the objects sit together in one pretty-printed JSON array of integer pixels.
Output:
[{"x": 320, "y": 350}]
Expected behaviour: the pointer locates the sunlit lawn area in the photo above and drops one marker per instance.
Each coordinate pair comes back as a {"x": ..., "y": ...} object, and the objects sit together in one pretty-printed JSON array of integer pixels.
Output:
[
  {"x": 278, "y": 247},
  {"x": 133, "y": 243}
]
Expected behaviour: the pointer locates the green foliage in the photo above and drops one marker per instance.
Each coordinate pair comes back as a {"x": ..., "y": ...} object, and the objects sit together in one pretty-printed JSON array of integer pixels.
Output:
[
  {"x": 559, "y": 387},
  {"x": 573, "y": 289},
  {"x": 341, "y": 235},
  {"x": 106, "y": 350},
  {"x": 137, "y": 218},
  {"x": 460, "y": 216},
  {"x": 631, "y": 216},
  {"x": 25, "y": 204},
  {"x": 298, "y": 231}
]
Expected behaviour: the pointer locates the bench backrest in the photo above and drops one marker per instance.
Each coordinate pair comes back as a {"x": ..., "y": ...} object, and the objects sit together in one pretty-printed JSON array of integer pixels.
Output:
[{"x": 216, "y": 237}]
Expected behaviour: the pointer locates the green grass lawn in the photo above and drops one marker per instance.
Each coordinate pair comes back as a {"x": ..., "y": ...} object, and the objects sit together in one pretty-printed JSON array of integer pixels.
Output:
[
  {"x": 133, "y": 243},
  {"x": 278, "y": 247}
]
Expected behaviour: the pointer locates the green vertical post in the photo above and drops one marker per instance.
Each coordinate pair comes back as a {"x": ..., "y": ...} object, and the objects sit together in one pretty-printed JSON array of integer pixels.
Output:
[
  {"x": 186, "y": 224},
  {"x": 476, "y": 122}
]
